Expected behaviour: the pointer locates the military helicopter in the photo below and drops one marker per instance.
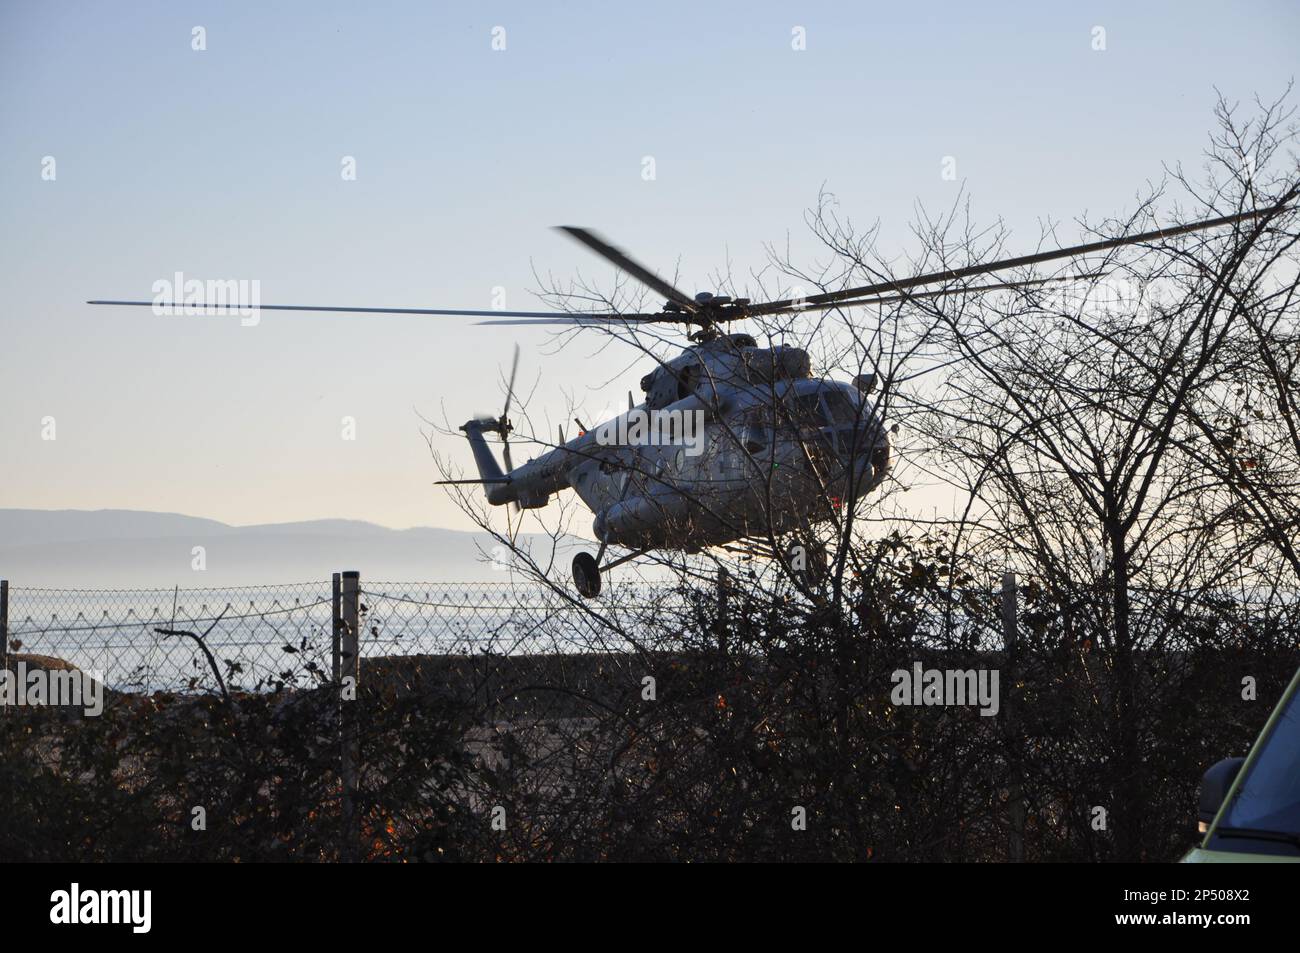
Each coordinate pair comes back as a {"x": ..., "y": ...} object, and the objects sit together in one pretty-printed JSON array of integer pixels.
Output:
[{"x": 733, "y": 445}]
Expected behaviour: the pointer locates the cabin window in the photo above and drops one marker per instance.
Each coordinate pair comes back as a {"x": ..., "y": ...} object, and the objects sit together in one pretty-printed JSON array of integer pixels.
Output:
[
  {"x": 839, "y": 408},
  {"x": 807, "y": 410},
  {"x": 687, "y": 380}
]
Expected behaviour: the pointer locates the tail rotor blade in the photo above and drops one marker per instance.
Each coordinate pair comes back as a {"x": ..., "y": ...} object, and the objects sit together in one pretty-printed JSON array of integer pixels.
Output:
[
  {"x": 505, "y": 452},
  {"x": 506, "y": 427},
  {"x": 510, "y": 386}
]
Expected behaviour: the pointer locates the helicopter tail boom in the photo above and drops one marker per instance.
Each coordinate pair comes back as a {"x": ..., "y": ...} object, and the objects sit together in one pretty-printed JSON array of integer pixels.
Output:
[{"x": 496, "y": 485}]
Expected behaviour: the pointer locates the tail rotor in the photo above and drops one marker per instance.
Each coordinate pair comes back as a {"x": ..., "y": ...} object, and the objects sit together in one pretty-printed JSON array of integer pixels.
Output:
[{"x": 504, "y": 426}]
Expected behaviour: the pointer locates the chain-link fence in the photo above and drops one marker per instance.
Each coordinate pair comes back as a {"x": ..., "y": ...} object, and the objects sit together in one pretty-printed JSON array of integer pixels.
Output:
[
  {"x": 500, "y": 618},
  {"x": 267, "y": 637},
  {"x": 130, "y": 638}
]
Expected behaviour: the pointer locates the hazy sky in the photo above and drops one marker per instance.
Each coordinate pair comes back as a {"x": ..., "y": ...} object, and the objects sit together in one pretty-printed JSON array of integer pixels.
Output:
[{"x": 226, "y": 163}]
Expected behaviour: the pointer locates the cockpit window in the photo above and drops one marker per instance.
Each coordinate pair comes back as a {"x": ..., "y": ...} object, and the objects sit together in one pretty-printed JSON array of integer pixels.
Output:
[
  {"x": 821, "y": 408},
  {"x": 841, "y": 409},
  {"x": 807, "y": 410}
]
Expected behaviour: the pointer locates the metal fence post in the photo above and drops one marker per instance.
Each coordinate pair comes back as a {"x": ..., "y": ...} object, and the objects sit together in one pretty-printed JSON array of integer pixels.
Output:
[
  {"x": 1015, "y": 792},
  {"x": 348, "y": 661},
  {"x": 4, "y": 630},
  {"x": 337, "y": 595},
  {"x": 4, "y": 622}
]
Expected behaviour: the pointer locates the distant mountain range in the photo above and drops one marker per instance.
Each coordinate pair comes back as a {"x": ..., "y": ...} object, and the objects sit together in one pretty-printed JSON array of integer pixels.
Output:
[{"x": 132, "y": 548}]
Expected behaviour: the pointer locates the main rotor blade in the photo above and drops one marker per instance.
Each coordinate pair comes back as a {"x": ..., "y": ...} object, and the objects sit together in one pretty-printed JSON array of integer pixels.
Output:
[
  {"x": 584, "y": 320},
  {"x": 596, "y": 320},
  {"x": 314, "y": 307},
  {"x": 505, "y": 411},
  {"x": 621, "y": 261},
  {"x": 955, "y": 274},
  {"x": 959, "y": 289}
]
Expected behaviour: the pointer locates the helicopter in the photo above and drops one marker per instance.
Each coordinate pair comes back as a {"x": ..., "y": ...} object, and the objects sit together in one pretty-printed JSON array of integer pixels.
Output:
[{"x": 734, "y": 445}]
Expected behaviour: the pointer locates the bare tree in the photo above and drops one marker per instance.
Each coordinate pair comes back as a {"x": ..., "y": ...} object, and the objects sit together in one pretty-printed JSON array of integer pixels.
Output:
[
  {"x": 1085, "y": 428},
  {"x": 1100, "y": 426}
]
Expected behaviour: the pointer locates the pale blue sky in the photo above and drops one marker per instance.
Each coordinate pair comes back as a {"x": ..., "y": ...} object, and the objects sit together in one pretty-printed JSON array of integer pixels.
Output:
[{"x": 226, "y": 164}]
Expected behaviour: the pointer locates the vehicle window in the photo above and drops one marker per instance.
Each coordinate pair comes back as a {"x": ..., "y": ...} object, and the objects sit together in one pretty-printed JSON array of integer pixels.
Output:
[
  {"x": 1269, "y": 796},
  {"x": 840, "y": 408},
  {"x": 808, "y": 410}
]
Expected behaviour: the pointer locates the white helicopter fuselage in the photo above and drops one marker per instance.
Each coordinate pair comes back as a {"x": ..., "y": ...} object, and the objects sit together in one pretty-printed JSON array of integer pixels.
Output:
[{"x": 737, "y": 456}]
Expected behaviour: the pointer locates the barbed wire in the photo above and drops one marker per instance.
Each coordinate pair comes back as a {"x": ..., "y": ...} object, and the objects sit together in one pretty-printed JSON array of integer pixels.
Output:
[
  {"x": 109, "y": 630},
  {"x": 262, "y": 614}
]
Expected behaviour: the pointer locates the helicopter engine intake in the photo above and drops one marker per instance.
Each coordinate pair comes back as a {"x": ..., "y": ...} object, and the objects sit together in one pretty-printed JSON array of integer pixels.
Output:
[{"x": 767, "y": 365}]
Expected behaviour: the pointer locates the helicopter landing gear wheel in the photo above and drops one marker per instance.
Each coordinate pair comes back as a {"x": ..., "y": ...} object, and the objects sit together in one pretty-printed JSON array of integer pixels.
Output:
[
  {"x": 586, "y": 575},
  {"x": 807, "y": 560}
]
